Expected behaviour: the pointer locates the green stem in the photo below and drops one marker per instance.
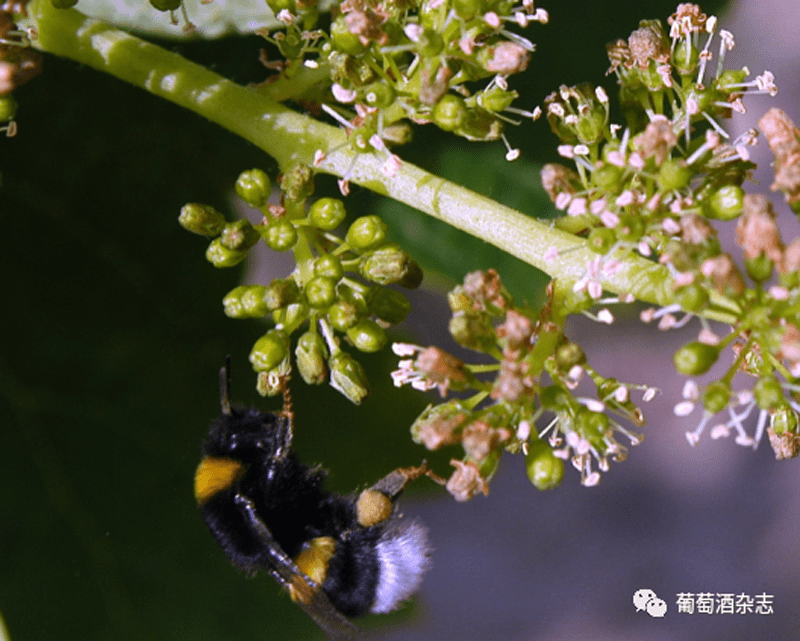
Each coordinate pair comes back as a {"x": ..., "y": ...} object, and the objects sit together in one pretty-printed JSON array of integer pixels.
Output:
[{"x": 292, "y": 138}]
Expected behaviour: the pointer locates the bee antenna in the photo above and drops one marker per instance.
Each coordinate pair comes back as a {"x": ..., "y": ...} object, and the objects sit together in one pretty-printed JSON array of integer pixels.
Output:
[{"x": 225, "y": 386}]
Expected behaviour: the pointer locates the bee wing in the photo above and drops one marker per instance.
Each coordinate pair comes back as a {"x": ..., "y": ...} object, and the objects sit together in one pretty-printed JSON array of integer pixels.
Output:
[{"x": 307, "y": 594}]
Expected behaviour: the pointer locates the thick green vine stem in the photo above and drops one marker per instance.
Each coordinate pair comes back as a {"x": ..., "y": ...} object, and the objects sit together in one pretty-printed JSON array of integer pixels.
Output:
[{"x": 292, "y": 138}]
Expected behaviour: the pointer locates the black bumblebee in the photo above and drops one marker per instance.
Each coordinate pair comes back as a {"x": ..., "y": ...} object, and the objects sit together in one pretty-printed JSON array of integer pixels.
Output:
[{"x": 338, "y": 556}]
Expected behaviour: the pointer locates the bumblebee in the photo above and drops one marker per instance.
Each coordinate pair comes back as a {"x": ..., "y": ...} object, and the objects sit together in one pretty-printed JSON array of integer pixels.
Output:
[{"x": 337, "y": 556}]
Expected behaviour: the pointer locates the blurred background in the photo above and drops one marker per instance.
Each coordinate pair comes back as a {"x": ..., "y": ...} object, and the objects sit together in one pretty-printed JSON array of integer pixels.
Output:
[{"x": 113, "y": 333}]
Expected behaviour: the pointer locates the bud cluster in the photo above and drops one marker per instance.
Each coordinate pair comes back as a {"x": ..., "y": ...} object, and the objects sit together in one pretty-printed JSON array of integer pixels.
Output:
[
  {"x": 765, "y": 337},
  {"x": 661, "y": 185},
  {"x": 417, "y": 60},
  {"x": 338, "y": 289},
  {"x": 512, "y": 394}
]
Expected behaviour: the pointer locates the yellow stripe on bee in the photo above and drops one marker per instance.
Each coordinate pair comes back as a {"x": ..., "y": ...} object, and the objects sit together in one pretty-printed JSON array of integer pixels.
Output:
[
  {"x": 214, "y": 475},
  {"x": 312, "y": 561}
]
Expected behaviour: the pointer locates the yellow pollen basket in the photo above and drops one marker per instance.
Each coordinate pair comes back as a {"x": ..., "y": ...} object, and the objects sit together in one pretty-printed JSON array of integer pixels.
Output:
[{"x": 313, "y": 561}]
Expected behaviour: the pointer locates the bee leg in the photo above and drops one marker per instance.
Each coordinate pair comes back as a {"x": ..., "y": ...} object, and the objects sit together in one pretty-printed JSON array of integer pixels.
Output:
[
  {"x": 281, "y": 567},
  {"x": 395, "y": 482},
  {"x": 376, "y": 504},
  {"x": 303, "y": 590}
]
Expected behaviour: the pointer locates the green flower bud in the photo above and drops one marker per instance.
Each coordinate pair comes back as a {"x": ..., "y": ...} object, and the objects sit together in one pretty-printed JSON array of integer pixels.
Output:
[
  {"x": 569, "y": 355},
  {"x": 590, "y": 127},
  {"x": 378, "y": 94},
  {"x": 459, "y": 300},
  {"x": 297, "y": 184},
  {"x": 273, "y": 382},
  {"x": 686, "y": 57},
  {"x": 725, "y": 203},
  {"x": 343, "y": 39},
  {"x": 545, "y": 469},
  {"x": 692, "y": 297},
  {"x": 394, "y": 31},
  {"x": 232, "y": 302},
  {"x": 555, "y": 398},
  {"x": 593, "y": 427},
  {"x": 280, "y": 293},
  {"x": 480, "y": 125},
  {"x": 291, "y": 45},
  {"x": 430, "y": 43},
  {"x": 366, "y": 233},
  {"x": 310, "y": 356},
  {"x": 367, "y": 336},
  {"x": 279, "y": 5},
  {"x": 269, "y": 350},
  {"x": 220, "y": 256},
  {"x": 449, "y": 113},
  {"x": 759, "y": 268},
  {"x": 388, "y": 265},
  {"x": 355, "y": 295},
  {"x": 601, "y": 239},
  {"x": 490, "y": 463},
  {"x": 473, "y": 330},
  {"x": 784, "y": 420},
  {"x": 64, "y": 4},
  {"x": 438, "y": 425},
  {"x": 768, "y": 393},
  {"x": 327, "y": 213},
  {"x": 705, "y": 99},
  {"x": 673, "y": 174},
  {"x": 252, "y": 301},
  {"x": 329, "y": 266},
  {"x": 343, "y": 314},
  {"x": 716, "y": 397},
  {"x": 253, "y": 186},
  {"x": 651, "y": 78},
  {"x": 320, "y": 292},
  {"x": 695, "y": 358},
  {"x": 728, "y": 80},
  {"x": 165, "y": 5},
  {"x": 201, "y": 219},
  {"x": 280, "y": 235},
  {"x": 291, "y": 315},
  {"x": 348, "y": 377},
  {"x": 400, "y": 133},
  {"x": 239, "y": 235},
  {"x": 389, "y": 305},
  {"x": 631, "y": 227},
  {"x": 360, "y": 139},
  {"x": 468, "y": 9},
  {"x": 607, "y": 176},
  {"x": 8, "y": 106},
  {"x": 496, "y": 99},
  {"x": 576, "y": 114}
]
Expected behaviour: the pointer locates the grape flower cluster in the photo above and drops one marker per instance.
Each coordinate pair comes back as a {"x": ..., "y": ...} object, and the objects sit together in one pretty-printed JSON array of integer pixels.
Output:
[
  {"x": 536, "y": 373},
  {"x": 338, "y": 291},
  {"x": 662, "y": 184},
  {"x": 391, "y": 61}
]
